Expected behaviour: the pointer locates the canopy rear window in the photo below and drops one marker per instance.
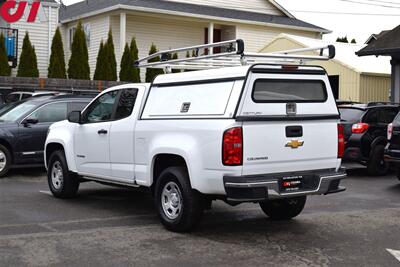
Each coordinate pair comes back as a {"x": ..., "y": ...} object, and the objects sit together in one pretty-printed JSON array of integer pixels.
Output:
[{"x": 282, "y": 91}]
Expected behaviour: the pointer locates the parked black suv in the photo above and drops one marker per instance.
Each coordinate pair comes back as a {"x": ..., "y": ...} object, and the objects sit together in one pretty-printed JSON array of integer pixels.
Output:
[
  {"x": 366, "y": 134},
  {"x": 392, "y": 151},
  {"x": 24, "y": 126}
]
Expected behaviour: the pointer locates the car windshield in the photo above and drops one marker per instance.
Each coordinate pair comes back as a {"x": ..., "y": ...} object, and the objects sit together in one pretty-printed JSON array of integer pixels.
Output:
[
  {"x": 13, "y": 112},
  {"x": 350, "y": 114}
]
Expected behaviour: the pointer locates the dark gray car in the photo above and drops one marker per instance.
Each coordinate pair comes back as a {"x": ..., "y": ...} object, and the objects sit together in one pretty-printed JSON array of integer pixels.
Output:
[{"x": 24, "y": 126}]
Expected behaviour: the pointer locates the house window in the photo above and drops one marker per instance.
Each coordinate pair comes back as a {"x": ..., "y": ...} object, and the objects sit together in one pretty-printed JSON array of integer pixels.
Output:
[{"x": 86, "y": 29}]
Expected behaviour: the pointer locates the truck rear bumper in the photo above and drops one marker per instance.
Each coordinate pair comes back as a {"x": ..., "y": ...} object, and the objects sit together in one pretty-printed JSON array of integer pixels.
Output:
[{"x": 261, "y": 188}]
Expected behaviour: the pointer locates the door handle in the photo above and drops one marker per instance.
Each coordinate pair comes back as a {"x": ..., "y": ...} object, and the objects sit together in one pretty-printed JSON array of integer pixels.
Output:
[{"x": 102, "y": 131}]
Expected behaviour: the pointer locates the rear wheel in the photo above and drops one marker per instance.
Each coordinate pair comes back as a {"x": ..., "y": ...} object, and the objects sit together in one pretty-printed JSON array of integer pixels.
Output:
[
  {"x": 62, "y": 183},
  {"x": 179, "y": 206},
  {"x": 5, "y": 160},
  {"x": 284, "y": 209},
  {"x": 398, "y": 172},
  {"x": 377, "y": 166}
]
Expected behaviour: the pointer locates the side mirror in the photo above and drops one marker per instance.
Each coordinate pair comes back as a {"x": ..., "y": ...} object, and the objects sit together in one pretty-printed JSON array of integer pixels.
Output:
[
  {"x": 27, "y": 122},
  {"x": 75, "y": 117}
]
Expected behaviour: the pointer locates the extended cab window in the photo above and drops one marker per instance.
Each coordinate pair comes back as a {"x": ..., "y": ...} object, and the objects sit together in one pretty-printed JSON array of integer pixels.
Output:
[
  {"x": 101, "y": 109},
  {"x": 275, "y": 91},
  {"x": 50, "y": 113},
  {"x": 126, "y": 103}
]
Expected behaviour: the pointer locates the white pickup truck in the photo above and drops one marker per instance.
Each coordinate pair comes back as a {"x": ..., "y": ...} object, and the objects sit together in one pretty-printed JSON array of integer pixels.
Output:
[{"x": 267, "y": 134}]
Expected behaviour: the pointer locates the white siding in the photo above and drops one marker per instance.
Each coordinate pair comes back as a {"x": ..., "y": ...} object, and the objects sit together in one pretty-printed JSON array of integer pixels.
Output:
[
  {"x": 99, "y": 26},
  {"x": 39, "y": 36},
  {"x": 164, "y": 33},
  {"x": 256, "y": 37},
  {"x": 261, "y": 6}
]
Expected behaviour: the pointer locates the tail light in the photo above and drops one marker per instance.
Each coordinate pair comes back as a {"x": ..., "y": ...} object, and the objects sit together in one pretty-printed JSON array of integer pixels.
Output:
[
  {"x": 359, "y": 128},
  {"x": 232, "y": 147},
  {"x": 390, "y": 131},
  {"x": 340, "y": 141}
]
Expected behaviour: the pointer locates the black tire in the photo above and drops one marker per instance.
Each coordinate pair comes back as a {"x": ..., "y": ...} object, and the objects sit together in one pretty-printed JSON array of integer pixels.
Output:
[
  {"x": 190, "y": 201},
  {"x": 284, "y": 209},
  {"x": 7, "y": 160},
  {"x": 67, "y": 185},
  {"x": 398, "y": 172},
  {"x": 377, "y": 166}
]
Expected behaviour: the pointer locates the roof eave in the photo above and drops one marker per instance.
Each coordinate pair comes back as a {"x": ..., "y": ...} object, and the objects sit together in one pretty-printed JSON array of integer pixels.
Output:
[
  {"x": 379, "y": 52},
  {"x": 185, "y": 14},
  {"x": 281, "y": 8}
]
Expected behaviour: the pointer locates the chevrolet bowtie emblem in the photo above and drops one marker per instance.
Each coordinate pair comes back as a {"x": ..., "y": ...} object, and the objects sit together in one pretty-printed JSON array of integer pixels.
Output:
[{"x": 295, "y": 144}]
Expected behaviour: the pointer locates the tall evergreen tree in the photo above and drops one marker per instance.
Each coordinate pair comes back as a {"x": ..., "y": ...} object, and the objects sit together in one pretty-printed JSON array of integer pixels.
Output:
[
  {"x": 353, "y": 41},
  {"x": 5, "y": 69},
  {"x": 78, "y": 67},
  {"x": 126, "y": 72},
  {"x": 135, "y": 56},
  {"x": 28, "y": 61},
  {"x": 342, "y": 40},
  {"x": 150, "y": 72},
  {"x": 111, "y": 62},
  {"x": 175, "y": 56},
  {"x": 100, "y": 64},
  {"x": 57, "y": 61}
]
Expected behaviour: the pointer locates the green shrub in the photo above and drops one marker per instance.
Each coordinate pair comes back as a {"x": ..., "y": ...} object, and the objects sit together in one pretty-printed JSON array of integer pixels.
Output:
[
  {"x": 110, "y": 61},
  {"x": 57, "y": 60},
  {"x": 28, "y": 61},
  {"x": 78, "y": 66},
  {"x": 99, "y": 71},
  {"x": 135, "y": 56},
  {"x": 150, "y": 72}
]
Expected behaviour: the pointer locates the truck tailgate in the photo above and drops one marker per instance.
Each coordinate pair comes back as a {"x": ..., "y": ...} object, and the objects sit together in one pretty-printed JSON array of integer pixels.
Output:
[{"x": 268, "y": 149}]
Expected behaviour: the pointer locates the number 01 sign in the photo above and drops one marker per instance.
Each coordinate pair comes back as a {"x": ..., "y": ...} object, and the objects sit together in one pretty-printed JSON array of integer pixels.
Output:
[{"x": 12, "y": 11}]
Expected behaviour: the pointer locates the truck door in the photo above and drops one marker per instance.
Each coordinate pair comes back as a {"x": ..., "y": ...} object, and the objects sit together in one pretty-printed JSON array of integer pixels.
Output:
[
  {"x": 122, "y": 136},
  {"x": 92, "y": 137}
]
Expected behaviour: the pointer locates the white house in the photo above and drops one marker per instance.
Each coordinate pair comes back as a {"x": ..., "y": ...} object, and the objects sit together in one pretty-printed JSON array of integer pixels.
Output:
[
  {"x": 180, "y": 23},
  {"x": 168, "y": 24}
]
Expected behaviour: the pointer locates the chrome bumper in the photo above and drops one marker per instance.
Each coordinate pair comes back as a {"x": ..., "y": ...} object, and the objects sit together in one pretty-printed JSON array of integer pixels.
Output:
[{"x": 269, "y": 187}]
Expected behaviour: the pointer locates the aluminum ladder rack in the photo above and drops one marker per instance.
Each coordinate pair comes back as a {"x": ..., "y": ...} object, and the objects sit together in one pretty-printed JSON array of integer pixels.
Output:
[{"x": 231, "y": 54}]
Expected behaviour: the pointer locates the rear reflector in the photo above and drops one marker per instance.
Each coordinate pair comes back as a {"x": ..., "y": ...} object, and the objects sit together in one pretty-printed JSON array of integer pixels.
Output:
[
  {"x": 340, "y": 141},
  {"x": 359, "y": 128},
  {"x": 232, "y": 147},
  {"x": 390, "y": 131}
]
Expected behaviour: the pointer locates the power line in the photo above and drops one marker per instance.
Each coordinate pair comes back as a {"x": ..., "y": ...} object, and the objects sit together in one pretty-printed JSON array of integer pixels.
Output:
[
  {"x": 346, "y": 13},
  {"x": 385, "y": 2},
  {"x": 370, "y": 4}
]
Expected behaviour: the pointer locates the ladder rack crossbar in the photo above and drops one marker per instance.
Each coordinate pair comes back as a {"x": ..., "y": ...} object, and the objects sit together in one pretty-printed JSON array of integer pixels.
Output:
[{"x": 232, "y": 55}]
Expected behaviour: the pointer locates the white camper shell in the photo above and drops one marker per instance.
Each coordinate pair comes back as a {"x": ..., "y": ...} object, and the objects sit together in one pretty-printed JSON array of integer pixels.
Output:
[{"x": 259, "y": 132}]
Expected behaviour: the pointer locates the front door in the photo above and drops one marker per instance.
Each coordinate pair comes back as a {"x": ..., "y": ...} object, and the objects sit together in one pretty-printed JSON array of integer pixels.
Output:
[
  {"x": 92, "y": 137},
  {"x": 32, "y": 136}
]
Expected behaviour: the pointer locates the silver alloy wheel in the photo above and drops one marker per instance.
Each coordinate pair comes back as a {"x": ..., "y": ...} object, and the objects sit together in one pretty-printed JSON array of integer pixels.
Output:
[
  {"x": 171, "y": 200},
  {"x": 3, "y": 160},
  {"x": 57, "y": 176}
]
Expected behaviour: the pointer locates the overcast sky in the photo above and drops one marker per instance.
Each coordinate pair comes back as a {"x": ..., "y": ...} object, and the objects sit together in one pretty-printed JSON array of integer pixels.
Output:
[{"x": 364, "y": 16}]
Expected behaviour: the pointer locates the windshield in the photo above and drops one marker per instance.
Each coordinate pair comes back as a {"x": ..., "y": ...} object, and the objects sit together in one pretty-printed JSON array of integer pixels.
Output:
[
  {"x": 12, "y": 112},
  {"x": 350, "y": 114}
]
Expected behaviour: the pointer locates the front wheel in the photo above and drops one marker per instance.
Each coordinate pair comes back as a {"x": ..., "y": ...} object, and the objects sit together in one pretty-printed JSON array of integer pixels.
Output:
[
  {"x": 62, "y": 183},
  {"x": 284, "y": 209},
  {"x": 5, "y": 160},
  {"x": 377, "y": 166},
  {"x": 179, "y": 206}
]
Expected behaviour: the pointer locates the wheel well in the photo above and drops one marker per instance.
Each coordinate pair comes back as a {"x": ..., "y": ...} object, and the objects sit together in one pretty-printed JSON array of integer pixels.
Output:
[
  {"x": 9, "y": 147},
  {"x": 50, "y": 148},
  {"x": 163, "y": 161}
]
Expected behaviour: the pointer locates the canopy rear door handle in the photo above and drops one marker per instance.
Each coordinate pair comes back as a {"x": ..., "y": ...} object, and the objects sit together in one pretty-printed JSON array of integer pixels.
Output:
[{"x": 102, "y": 132}]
